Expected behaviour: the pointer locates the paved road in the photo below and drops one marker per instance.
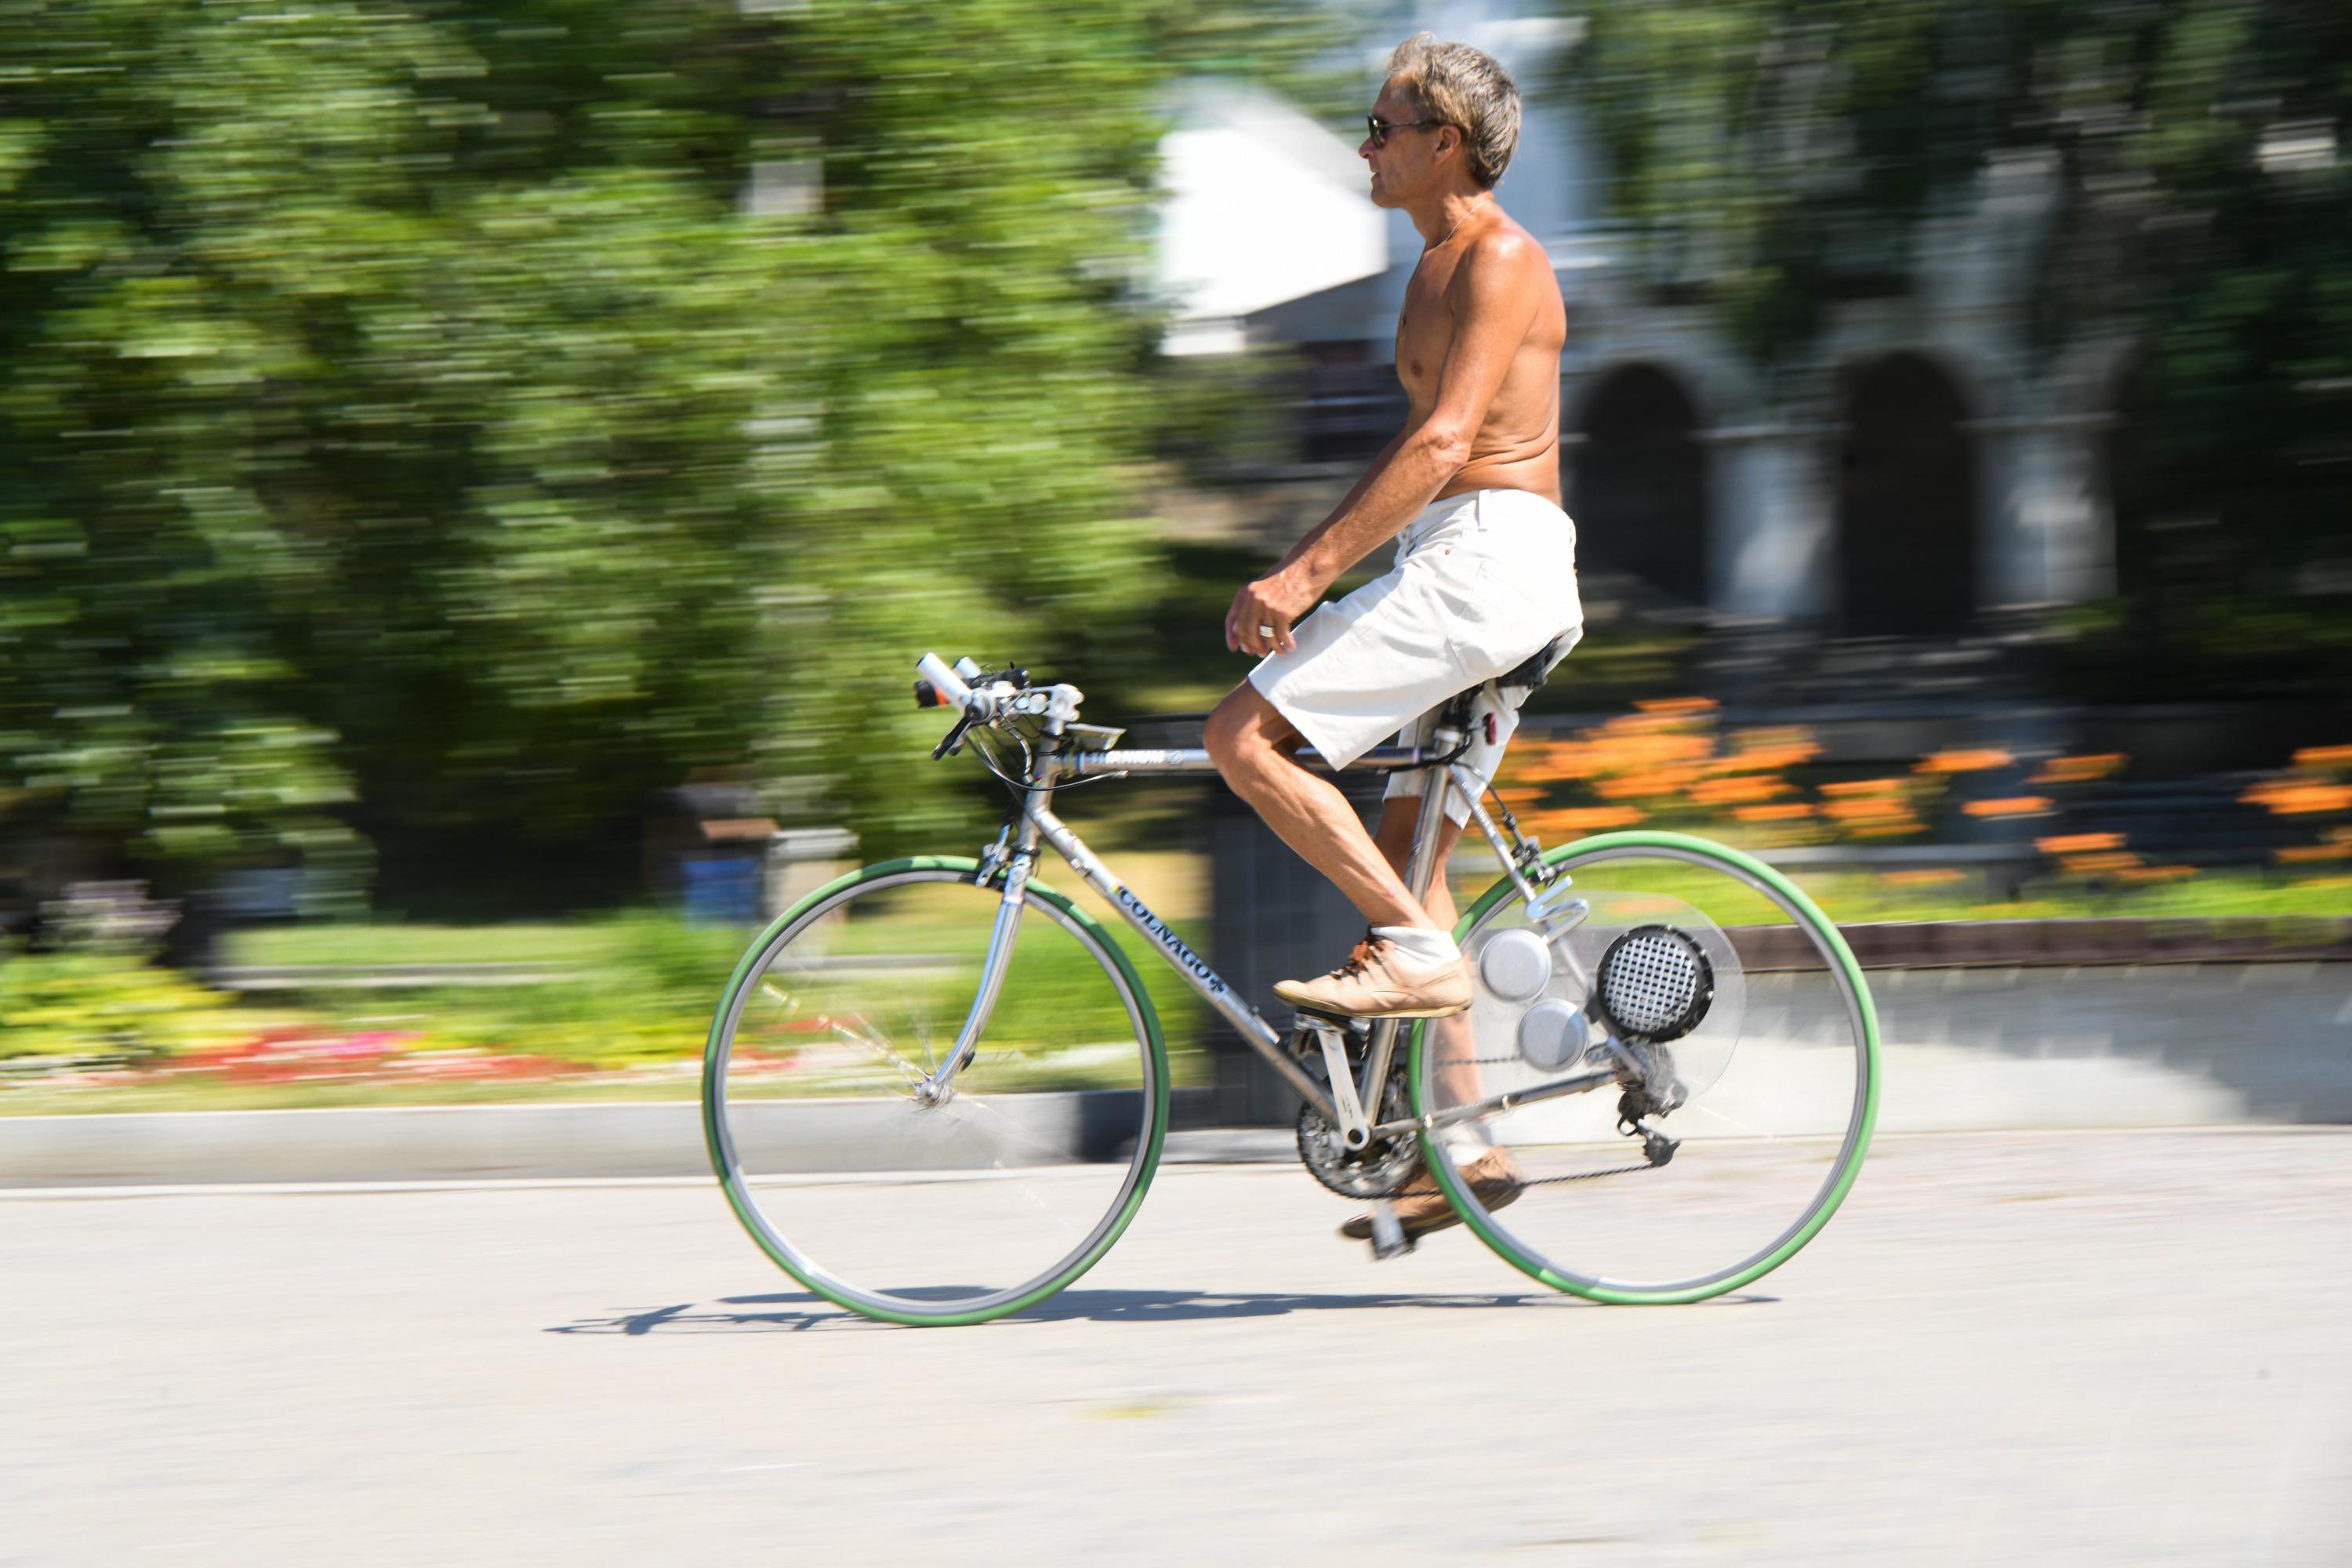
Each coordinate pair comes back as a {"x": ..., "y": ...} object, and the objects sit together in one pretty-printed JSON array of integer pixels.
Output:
[{"x": 2127, "y": 1348}]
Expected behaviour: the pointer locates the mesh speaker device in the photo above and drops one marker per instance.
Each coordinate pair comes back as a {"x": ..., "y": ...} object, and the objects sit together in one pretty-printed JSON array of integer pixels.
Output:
[{"x": 1656, "y": 984}]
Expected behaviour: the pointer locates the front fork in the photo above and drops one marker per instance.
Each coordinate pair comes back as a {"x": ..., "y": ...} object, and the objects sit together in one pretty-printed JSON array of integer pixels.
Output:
[{"x": 1012, "y": 858}]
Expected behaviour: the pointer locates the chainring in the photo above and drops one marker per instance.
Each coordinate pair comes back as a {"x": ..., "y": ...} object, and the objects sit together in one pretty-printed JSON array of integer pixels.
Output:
[{"x": 1377, "y": 1170}]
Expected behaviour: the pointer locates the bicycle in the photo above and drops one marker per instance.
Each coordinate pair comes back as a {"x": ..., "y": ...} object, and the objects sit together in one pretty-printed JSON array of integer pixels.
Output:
[{"x": 936, "y": 1090}]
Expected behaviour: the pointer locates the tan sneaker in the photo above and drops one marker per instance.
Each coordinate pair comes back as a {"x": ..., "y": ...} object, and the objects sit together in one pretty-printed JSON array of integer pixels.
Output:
[
  {"x": 1379, "y": 980},
  {"x": 1420, "y": 1207}
]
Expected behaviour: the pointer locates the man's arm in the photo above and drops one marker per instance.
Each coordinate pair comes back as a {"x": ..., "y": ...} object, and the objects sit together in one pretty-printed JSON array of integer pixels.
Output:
[
  {"x": 1494, "y": 295},
  {"x": 1347, "y": 503}
]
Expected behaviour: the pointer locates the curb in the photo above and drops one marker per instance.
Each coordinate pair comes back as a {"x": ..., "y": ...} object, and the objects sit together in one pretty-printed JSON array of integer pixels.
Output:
[
  {"x": 2032, "y": 1045},
  {"x": 507, "y": 1142}
]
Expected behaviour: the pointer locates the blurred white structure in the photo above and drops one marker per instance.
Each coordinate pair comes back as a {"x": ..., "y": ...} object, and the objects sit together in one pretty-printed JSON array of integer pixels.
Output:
[{"x": 1263, "y": 205}]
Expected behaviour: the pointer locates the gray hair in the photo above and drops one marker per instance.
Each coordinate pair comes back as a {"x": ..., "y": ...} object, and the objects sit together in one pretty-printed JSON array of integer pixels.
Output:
[{"x": 1467, "y": 88}]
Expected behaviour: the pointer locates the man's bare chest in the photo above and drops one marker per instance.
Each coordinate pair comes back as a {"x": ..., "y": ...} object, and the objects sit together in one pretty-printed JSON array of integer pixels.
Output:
[{"x": 1424, "y": 330}]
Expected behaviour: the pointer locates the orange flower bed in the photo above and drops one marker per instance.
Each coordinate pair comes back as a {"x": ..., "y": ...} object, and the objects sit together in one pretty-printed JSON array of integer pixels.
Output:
[
  {"x": 2080, "y": 770},
  {"x": 1857, "y": 788},
  {"x": 2078, "y": 843},
  {"x": 2019, "y": 806},
  {"x": 2284, "y": 797},
  {"x": 1735, "y": 790},
  {"x": 1870, "y": 808},
  {"x": 1585, "y": 819},
  {"x": 1788, "y": 811},
  {"x": 1963, "y": 761},
  {"x": 1766, "y": 759},
  {"x": 2088, "y": 864},
  {"x": 1647, "y": 786}
]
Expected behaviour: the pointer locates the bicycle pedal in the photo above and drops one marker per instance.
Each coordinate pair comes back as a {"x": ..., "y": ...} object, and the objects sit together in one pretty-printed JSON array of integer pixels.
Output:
[{"x": 1389, "y": 1239}]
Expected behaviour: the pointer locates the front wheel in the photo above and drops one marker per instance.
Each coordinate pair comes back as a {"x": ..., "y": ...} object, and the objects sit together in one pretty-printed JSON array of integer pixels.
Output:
[
  {"x": 848, "y": 1167},
  {"x": 1737, "y": 1051}
]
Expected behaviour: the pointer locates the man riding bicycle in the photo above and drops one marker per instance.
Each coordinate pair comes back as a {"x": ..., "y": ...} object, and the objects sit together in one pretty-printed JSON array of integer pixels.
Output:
[{"x": 1484, "y": 577}]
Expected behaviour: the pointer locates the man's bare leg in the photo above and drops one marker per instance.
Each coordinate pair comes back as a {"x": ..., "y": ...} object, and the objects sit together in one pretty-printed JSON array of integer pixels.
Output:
[
  {"x": 1457, "y": 1081},
  {"x": 1252, "y": 743},
  {"x": 1489, "y": 1169}
]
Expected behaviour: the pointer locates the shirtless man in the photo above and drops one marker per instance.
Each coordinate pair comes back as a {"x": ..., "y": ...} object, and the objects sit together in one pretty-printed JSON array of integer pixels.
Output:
[{"x": 1485, "y": 575}]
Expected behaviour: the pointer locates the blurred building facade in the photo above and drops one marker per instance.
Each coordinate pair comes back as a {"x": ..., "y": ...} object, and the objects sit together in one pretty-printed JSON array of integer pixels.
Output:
[{"x": 1916, "y": 471}]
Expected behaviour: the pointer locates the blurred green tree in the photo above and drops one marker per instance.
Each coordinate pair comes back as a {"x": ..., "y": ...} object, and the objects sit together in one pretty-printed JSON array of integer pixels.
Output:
[{"x": 454, "y": 421}]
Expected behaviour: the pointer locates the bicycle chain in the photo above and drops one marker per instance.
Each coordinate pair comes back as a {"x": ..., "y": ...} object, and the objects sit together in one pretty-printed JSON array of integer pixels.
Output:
[
  {"x": 1588, "y": 1175},
  {"x": 1544, "y": 1181},
  {"x": 1471, "y": 1061}
]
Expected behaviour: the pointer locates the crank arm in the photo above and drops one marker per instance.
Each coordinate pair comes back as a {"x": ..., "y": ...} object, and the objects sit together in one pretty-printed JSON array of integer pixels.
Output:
[{"x": 1354, "y": 1131}]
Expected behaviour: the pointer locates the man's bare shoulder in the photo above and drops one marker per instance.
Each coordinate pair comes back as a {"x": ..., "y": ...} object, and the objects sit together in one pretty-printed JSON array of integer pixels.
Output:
[{"x": 1502, "y": 256}]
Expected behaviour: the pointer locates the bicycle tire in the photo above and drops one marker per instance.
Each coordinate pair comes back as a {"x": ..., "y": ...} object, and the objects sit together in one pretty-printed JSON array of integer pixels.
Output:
[
  {"x": 724, "y": 1148},
  {"x": 1843, "y": 972}
]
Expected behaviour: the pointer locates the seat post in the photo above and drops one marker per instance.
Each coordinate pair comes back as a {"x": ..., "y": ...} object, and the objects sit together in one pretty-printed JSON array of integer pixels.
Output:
[{"x": 1422, "y": 867}]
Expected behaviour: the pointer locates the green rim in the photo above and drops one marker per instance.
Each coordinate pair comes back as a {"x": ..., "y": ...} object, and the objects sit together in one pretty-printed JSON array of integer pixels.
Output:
[
  {"x": 1822, "y": 928},
  {"x": 714, "y": 1077}
]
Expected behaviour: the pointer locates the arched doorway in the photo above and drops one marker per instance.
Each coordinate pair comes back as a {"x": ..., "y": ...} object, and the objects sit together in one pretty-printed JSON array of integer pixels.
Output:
[
  {"x": 1906, "y": 504},
  {"x": 1639, "y": 490}
]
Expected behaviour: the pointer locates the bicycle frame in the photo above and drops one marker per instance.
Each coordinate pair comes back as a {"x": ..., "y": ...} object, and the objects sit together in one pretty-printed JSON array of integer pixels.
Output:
[{"x": 1038, "y": 823}]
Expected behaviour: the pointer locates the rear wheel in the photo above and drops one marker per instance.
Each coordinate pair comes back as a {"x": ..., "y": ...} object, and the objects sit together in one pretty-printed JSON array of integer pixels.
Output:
[
  {"x": 1744, "y": 1054},
  {"x": 889, "y": 1199}
]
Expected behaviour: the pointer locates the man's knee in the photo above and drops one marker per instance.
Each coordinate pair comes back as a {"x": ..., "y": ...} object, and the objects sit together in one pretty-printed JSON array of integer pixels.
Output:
[{"x": 1232, "y": 733}]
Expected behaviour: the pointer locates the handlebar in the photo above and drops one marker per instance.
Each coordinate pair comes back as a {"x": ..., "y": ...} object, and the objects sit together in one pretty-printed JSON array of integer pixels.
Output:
[
  {"x": 949, "y": 690},
  {"x": 945, "y": 685}
]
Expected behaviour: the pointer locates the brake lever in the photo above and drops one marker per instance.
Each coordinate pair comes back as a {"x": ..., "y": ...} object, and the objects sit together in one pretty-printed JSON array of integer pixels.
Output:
[{"x": 952, "y": 742}]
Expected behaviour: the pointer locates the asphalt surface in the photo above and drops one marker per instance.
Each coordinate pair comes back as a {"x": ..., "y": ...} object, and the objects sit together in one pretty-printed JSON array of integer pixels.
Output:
[{"x": 2106, "y": 1347}]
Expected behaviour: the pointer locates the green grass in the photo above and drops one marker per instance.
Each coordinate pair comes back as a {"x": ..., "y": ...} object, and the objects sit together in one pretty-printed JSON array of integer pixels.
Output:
[
  {"x": 1850, "y": 897},
  {"x": 370, "y": 943}
]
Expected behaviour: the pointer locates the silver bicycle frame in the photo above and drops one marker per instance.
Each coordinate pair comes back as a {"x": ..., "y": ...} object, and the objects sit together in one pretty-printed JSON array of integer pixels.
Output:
[{"x": 1038, "y": 823}]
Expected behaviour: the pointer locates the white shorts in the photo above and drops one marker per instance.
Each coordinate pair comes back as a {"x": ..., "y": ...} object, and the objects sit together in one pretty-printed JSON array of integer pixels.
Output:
[{"x": 1482, "y": 582}]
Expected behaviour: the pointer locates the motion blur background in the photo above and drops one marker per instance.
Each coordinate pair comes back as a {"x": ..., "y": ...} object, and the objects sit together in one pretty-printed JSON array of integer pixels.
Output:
[{"x": 475, "y": 478}]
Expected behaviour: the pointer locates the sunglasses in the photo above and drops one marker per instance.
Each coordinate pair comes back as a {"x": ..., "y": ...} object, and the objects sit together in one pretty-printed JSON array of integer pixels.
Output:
[{"x": 1381, "y": 127}]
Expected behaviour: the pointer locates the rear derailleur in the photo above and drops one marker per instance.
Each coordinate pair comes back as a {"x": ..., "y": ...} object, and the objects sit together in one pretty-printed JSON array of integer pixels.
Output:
[{"x": 1634, "y": 1109}]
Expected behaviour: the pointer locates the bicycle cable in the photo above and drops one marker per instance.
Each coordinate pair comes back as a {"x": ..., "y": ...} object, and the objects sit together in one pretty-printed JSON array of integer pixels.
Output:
[{"x": 1028, "y": 766}]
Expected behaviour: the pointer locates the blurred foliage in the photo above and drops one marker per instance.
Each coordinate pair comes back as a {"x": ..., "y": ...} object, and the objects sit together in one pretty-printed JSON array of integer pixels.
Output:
[
  {"x": 81, "y": 1002},
  {"x": 1221, "y": 416},
  {"x": 95, "y": 991},
  {"x": 453, "y": 418},
  {"x": 2172, "y": 171}
]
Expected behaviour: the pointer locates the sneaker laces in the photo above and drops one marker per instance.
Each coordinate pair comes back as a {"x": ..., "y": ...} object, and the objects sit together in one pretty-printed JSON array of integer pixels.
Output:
[{"x": 1358, "y": 960}]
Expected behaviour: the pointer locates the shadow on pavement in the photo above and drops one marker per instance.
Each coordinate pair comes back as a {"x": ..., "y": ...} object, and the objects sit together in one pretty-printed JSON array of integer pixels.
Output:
[{"x": 794, "y": 1311}]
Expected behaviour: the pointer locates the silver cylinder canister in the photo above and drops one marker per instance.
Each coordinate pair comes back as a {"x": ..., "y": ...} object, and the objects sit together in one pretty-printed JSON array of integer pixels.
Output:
[{"x": 1515, "y": 965}]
